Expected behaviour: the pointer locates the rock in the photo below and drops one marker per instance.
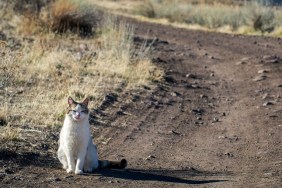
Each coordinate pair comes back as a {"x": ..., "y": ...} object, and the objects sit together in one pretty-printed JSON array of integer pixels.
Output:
[
  {"x": 241, "y": 62},
  {"x": 265, "y": 96},
  {"x": 221, "y": 137},
  {"x": 190, "y": 76},
  {"x": 271, "y": 59},
  {"x": 215, "y": 119},
  {"x": 175, "y": 132},
  {"x": 150, "y": 157},
  {"x": 268, "y": 103},
  {"x": 259, "y": 78},
  {"x": 262, "y": 71},
  {"x": 228, "y": 154},
  {"x": 198, "y": 111}
]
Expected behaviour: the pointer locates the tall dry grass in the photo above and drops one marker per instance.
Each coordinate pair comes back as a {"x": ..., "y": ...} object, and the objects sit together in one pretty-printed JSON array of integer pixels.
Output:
[
  {"x": 37, "y": 78},
  {"x": 253, "y": 15}
]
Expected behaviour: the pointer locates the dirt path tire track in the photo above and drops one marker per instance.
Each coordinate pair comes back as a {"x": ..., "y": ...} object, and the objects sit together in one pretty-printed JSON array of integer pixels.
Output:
[{"x": 244, "y": 144}]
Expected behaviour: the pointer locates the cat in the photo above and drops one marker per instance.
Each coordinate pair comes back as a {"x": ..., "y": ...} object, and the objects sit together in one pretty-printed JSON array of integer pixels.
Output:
[{"x": 77, "y": 152}]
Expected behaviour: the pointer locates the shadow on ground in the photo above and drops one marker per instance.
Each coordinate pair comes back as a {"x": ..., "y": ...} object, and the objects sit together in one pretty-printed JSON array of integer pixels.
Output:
[
  {"x": 164, "y": 175},
  {"x": 27, "y": 159}
]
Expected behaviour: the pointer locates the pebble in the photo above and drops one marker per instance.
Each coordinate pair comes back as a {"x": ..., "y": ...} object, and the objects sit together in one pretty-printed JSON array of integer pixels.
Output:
[
  {"x": 262, "y": 71},
  {"x": 221, "y": 137},
  {"x": 265, "y": 96},
  {"x": 215, "y": 119},
  {"x": 259, "y": 78},
  {"x": 203, "y": 96},
  {"x": 241, "y": 62},
  {"x": 268, "y": 103},
  {"x": 150, "y": 157},
  {"x": 190, "y": 76},
  {"x": 229, "y": 154},
  {"x": 175, "y": 132}
]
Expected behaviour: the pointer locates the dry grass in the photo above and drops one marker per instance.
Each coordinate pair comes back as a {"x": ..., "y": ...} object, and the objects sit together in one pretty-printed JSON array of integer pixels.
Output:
[
  {"x": 37, "y": 78},
  {"x": 9, "y": 134},
  {"x": 222, "y": 16}
]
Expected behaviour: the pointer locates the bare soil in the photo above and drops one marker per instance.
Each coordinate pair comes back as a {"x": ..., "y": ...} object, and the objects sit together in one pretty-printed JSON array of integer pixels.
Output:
[{"x": 214, "y": 121}]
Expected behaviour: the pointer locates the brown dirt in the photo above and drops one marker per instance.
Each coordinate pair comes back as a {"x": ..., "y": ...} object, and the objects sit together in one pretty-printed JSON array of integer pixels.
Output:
[{"x": 205, "y": 125}]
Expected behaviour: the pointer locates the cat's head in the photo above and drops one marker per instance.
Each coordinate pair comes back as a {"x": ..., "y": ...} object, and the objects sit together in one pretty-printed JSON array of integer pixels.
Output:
[{"x": 78, "y": 111}]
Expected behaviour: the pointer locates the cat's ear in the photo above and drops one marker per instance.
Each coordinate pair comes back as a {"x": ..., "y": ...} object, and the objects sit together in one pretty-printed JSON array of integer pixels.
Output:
[
  {"x": 86, "y": 101},
  {"x": 71, "y": 101}
]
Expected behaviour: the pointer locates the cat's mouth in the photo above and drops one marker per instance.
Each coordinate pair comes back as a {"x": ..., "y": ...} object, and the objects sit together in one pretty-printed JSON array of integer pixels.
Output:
[{"x": 77, "y": 118}]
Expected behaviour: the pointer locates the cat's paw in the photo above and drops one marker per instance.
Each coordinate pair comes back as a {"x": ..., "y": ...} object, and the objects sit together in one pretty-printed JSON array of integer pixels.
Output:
[
  {"x": 87, "y": 169},
  {"x": 65, "y": 167},
  {"x": 69, "y": 170},
  {"x": 78, "y": 172}
]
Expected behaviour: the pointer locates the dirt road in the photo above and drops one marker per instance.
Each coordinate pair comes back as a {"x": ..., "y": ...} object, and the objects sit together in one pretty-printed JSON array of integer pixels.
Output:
[{"x": 215, "y": 120}]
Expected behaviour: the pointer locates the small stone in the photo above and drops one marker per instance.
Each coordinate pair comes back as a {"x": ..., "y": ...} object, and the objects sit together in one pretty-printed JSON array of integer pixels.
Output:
[
  {"x": 265, "y": 96},
  {"x": 215, "y": 119},
  {"x": 150, "y": 157},
  {"x": 259, "y": 78},
  {"x": 198, "y": 111},
  {"x": 241, "y": 62},
  {"x": 212, "y": 75},
  {"x": 190, "y": 76},
  {"x": 262, "y": 71},
  {"x": 175, "y": 132},
  {"x": 211, "y": 57},
  {"x": 223, "y": 114},
  {"x": 203, "y": 96},
  {"x": 173, "y": 94},
  {"x": 268, "y": 103},
  {"x": 228, "y": 154},
  {"x": 221, "y": 137}
]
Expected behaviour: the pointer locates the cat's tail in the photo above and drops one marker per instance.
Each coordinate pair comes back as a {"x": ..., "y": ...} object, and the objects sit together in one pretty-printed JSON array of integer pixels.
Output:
[{"x": 113, "y": 164}]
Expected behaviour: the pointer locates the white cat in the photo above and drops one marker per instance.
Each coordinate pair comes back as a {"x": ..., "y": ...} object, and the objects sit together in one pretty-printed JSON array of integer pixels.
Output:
[{"x": 76, "y": 150}]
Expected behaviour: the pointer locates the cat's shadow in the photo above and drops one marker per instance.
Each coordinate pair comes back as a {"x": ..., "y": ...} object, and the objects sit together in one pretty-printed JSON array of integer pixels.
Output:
[{"x": 164, "y": 175}]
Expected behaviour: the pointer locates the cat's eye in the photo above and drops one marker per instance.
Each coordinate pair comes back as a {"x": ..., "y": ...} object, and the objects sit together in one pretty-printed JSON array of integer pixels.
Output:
[
  {"x": 74, "y": 111},
  {"x": 84, "y": 111}
]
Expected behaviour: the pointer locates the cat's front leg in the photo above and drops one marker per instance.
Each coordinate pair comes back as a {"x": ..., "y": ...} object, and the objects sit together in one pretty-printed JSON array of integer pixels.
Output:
[
  {"x": 80, "y": 162},
  {"x": 71, "y": 163}
]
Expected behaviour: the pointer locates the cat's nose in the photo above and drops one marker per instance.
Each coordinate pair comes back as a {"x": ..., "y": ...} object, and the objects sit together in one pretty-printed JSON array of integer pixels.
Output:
[{"x": 77, "y": 114}]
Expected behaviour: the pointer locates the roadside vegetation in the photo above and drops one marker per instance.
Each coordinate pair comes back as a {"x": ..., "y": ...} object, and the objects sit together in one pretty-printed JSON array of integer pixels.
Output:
[
  {"x": 60, "y": 50},
  {"x": 245, "y": 17}
]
